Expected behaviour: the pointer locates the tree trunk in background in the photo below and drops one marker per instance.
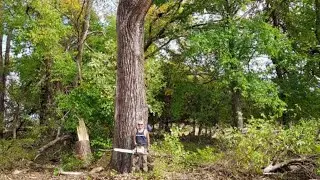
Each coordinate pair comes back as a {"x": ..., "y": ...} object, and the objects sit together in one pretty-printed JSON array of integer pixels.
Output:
[
  {"x": 280, "y": 71},
  {"x": 4, "y": 71},
  {"x": 200, "y": 129},
  {"x": 83, "y": 149},
  {"x": 82, "y": 36},
  {"x": 317, "y": 31},
  {"x": 167, "y": 112},
  {"x": 2, "y": 108},
  {"x": 130, "y": 93},
  {"x": 194, "y": 126},
  {"x": 46, "y": 93},
  {"x": 236, "y": 108}
]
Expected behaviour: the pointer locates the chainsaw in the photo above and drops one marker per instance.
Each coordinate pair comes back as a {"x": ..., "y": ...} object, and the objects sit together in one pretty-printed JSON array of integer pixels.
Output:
[{"x": 136, "y": 150}]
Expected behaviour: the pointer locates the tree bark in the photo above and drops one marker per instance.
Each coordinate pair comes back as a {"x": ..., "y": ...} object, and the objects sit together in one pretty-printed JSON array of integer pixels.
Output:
[
  {"x": 83, "y": 149},
  {"x": 1, "y": 87},
  {"x": 4, "y": 70},
  {"x": 280, "y": 71},
  {"x": 130, "y": 91},
  {"x": 317, "y": 30},
  {"x": 200, "y": 129},
  {"x": 82, "y": 35},
  {"x": 167, "y": 112},
  {"x": 46, "y": 93},
  {"x": 236, "y": 108}
]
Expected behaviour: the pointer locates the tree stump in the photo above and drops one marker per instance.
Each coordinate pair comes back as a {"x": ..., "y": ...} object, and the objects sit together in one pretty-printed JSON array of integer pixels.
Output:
[{"x": 82, "y": 148}]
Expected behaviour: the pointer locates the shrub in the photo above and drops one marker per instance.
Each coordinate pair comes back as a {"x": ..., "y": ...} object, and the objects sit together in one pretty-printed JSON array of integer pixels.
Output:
[
  {"x": 172, "y": 148},
  {"x": 14, "y": 151},
  {"x": 266, "y": 141},
  {"x": 179, "y": 157},
  {"x": 100, "y": 143},
  {"x": 70, "y": 162},
  {"x": 206, "y": 155}
]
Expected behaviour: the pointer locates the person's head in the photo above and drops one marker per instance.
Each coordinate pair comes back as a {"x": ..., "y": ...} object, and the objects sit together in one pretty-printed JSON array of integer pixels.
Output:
[{"x": 140, "y": 125}]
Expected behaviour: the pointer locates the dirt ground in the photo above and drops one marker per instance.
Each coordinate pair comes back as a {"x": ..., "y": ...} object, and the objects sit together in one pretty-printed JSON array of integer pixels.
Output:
[
  {"x": 50, "y": 176},
  {"x": 204, "y": 173}
]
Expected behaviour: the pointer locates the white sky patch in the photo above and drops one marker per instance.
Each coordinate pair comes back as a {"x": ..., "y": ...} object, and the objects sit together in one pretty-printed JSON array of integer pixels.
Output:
[
  {"x": 260, "y": 63},
  {"x": 105, "y": 8}
]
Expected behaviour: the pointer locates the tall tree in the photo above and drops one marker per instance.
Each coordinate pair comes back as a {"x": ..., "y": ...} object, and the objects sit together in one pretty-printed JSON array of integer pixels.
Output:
[
  {"x": 82, "y": 35},
  {"x": 130, "y": 91},
  {"x": 1, "y": 88},
  {"x": 5, "y": 34}
]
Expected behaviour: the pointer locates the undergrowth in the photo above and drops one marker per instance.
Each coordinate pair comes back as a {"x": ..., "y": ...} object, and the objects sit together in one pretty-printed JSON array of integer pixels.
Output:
[
  {"x": 263, "y": 142},
  {"x": 15, "y": 152},
  {"x": 266, "y": 142},
  {"x": 172, "y": 156}
]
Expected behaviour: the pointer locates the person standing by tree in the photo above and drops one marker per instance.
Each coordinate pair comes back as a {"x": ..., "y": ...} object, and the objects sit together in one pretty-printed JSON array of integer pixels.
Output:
[{"x": 141, "y": 141}]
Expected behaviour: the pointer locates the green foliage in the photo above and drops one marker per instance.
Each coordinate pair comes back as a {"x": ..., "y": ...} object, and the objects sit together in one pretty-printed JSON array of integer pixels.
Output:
[
  {"x": 159, "y": 2},
  {"x": 155, "y": 82},
  {"x": 172, "y": 147},
  {"x": 266, "y": 141},
  {"x": 93, "y": 100},
  {"x": 14, "y": 152},
  {"x": 178, "y": 157},
  {"x": 100, "y": 143},
  {"x": 70, "y": 162},
  {"x": 207, "y": 155}
]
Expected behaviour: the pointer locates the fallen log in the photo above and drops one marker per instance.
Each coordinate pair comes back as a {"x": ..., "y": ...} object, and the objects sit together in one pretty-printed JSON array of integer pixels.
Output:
[
  {"x": 61, "y": 172},
  {"x": 51, "y": 143},
  {"x": 286, "y": 164},
  {"x": 96, "y": 170}
]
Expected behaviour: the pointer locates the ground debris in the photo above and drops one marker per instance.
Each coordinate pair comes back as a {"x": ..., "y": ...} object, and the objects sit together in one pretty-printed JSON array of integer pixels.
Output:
[{"x": 296, "y": 168}]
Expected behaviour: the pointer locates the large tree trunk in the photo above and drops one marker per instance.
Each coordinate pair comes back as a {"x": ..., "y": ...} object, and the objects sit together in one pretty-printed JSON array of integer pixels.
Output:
[{"x": 130, "y": 93}]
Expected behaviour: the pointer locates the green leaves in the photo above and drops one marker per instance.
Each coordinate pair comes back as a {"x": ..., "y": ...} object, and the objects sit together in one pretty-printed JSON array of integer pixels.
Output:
[
  {"x": 266, "y": 141},
  {"x": 159, "y": 2}
]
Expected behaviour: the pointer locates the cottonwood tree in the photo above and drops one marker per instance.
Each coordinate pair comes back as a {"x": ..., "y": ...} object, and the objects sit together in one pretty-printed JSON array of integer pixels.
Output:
[{"x": 130, "y": 91}]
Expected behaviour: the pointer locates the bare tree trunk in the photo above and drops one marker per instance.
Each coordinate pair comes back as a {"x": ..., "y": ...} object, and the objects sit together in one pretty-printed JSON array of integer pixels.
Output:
[
  {"x": 167, "y": 112},
  {"x": 16, "y": 122},
  {"x": 83, "y": 149},
  {"x": 236, "y": 108},
  {"x": 82, "y": 35},
  {"x": 4, "y": 70},
  {"x": 206, "y": 131},
  {"x": 2, "y": 108},
  {"x": 2, "y": 125},
  {"x": 130, "y": 93},
  {"x": 194, "y": 125},
  {"x": 200, "y": 129}
]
